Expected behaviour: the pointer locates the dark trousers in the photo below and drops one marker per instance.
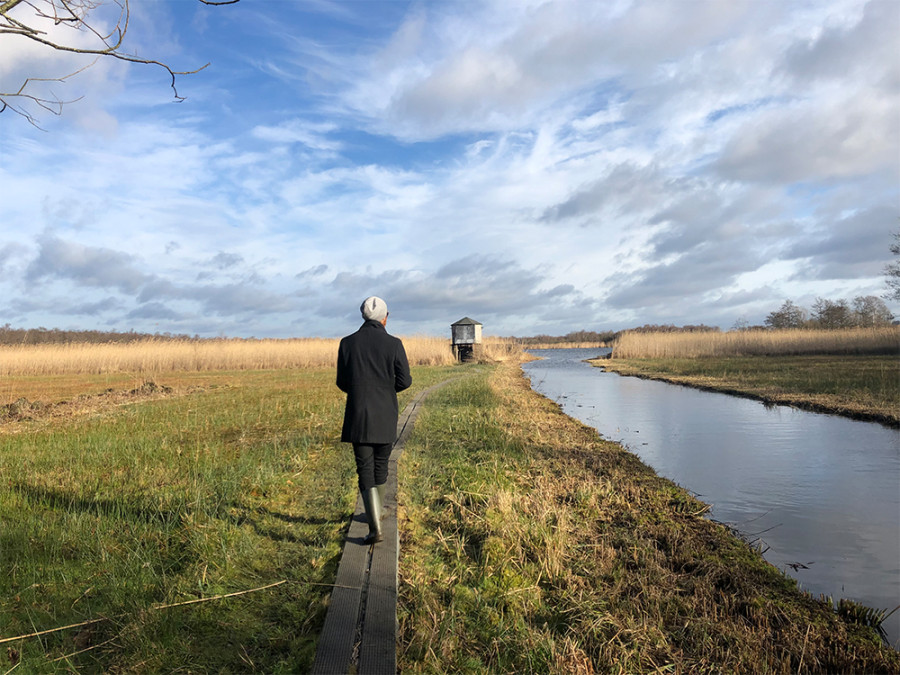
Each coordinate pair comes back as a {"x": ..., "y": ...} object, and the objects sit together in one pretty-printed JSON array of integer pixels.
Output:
[{"x": 372, "y": 464}]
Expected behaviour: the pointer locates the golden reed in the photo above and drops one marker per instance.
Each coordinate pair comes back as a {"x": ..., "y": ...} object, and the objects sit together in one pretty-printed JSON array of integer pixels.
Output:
[
  {"x": 157, "y": 356},
  {"x": 885, "y": 340}
]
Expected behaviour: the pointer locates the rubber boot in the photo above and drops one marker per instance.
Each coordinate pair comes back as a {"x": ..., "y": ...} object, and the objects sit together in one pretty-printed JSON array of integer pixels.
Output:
[
  {"x": 372, "y": 504},
  {"x": 380, "y": 489}
]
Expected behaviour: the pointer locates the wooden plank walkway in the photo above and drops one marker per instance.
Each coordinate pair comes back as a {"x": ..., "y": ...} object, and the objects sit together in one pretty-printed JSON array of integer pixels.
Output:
[{"x": 360, "y": 631}]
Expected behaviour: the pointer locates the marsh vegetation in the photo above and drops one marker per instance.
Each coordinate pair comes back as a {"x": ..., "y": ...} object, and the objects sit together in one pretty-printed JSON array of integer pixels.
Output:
[
  {"x": 197, "y": 523},
  {"x": 853, "y": 372},
  {"x": 790, "y": 342},
  {"x": 529, "y": 544}
]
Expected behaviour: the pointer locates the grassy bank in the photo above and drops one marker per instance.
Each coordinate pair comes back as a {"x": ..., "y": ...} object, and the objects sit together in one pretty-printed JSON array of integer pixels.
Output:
[
  {"x": 529, "y": 544},
  {"x": 857, "y": 386},
  {"x": 120, "y": 510}
]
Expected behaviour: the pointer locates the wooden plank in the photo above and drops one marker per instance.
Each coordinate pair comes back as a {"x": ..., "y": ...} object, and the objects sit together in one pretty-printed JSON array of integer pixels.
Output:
[
  {"x": 363, "y": 608},
  {"x": 336, "y": 641},
  {"x": 377, "y": 651}
]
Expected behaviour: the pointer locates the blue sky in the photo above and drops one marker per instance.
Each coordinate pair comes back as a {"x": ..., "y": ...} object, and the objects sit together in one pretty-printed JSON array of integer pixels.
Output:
[{"x": 542, "y": 167}]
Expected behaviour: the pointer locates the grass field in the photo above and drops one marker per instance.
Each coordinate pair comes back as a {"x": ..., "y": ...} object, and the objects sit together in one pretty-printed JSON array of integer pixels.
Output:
[
  {"x": 529, "y": 544},
  {"x": 127, "y": 506}
]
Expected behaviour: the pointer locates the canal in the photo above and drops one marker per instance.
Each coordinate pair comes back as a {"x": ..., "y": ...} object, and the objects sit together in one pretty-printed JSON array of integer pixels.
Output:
[{"x": 820, "y": 494}]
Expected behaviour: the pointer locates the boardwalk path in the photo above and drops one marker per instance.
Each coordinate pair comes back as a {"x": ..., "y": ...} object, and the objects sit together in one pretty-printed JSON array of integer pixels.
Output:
[{"x": 360, "y": 631}]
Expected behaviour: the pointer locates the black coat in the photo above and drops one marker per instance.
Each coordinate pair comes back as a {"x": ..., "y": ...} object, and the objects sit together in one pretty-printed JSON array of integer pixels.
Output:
[{"x": 371, "y": 369}]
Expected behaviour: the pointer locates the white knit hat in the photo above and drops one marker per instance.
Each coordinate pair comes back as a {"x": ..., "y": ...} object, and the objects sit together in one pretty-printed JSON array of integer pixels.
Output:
[{"x": 373, "y": 308}]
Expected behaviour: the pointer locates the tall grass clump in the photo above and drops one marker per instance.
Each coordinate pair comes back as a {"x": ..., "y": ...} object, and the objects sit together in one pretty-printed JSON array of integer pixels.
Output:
[
  {"x": 636, "y": 345},
  {"x": 426, "y": 350},
  {"x": 501, "y": 349}
]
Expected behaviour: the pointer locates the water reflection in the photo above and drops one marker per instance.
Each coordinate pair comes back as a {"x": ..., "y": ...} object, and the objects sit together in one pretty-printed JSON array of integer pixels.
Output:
[{"x": 818, "y": 490}]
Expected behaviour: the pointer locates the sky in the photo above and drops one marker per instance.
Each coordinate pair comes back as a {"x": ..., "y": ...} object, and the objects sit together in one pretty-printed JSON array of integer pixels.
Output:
[{"x": 540, "y": 167}]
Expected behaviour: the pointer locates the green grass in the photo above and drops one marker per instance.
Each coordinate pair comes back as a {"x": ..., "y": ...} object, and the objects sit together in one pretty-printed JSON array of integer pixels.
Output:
[
  {"x": 529, "y": 544},
  {"x": 865, "y": 387},
  {"x": 115, "y": 512}
]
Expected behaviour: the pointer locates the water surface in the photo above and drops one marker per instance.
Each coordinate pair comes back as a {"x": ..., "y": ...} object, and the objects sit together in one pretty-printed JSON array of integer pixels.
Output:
[{"x": 819, "y": 491}]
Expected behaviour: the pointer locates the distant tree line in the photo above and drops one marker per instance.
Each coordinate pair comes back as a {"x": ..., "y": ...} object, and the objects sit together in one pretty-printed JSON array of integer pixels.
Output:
[
  {"x": 669, "y": 328},
  {"x": 577, "y": 336},
  {"x": 862, "y": 311},
  {"x": 40, "y": 336},
  {"x": 826, "y": 315},
  {"x": 581, "y": 336}
]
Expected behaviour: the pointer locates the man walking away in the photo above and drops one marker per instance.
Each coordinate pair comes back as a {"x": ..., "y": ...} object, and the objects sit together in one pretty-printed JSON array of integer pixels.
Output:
[{"x": 371, "y": 369}]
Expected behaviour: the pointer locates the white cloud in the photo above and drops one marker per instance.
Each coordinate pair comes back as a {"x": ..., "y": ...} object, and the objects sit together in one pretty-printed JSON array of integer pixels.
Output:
[
  {"x": 539, "y": 166},
  {"x": 298, "y": 131},
  {"x": 839, "y": 138},
  {"x": 86, "y": 266}
]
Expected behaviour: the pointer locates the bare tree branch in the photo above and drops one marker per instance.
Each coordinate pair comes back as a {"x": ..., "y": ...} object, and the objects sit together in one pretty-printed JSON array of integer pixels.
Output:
[
  {"x": 54, "y": 105},
  {"x": 74, "y": 14},
  {"x": 8, "y": 5}
]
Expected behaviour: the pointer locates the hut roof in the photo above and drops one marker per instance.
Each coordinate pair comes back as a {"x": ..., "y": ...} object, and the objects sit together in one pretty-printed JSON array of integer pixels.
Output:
[{"x": 466, "y": 321}]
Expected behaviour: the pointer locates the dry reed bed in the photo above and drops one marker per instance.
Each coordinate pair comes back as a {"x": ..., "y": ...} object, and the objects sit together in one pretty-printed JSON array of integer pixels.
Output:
[
  {"x": 884, "y": 340},
  {"x": 157, "y": 356}
]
